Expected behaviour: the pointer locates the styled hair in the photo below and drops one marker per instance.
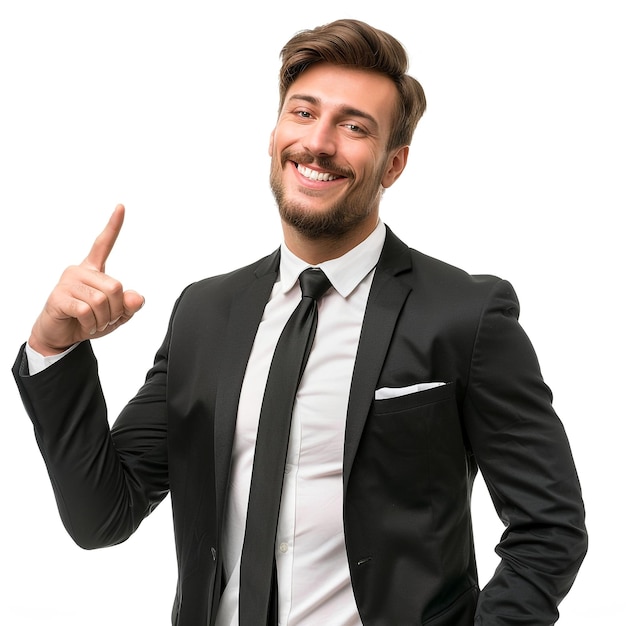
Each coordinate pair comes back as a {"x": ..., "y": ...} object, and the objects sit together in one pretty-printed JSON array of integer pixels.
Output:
[{"x": 355, "y": 44}]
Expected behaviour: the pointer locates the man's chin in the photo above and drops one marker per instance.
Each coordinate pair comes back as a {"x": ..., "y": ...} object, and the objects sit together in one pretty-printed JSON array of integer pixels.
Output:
[{"x": 316, "y": 224}]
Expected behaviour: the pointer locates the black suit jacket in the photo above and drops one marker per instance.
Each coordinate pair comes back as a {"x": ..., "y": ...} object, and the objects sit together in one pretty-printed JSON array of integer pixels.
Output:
[{"x": 409, "y": 462}]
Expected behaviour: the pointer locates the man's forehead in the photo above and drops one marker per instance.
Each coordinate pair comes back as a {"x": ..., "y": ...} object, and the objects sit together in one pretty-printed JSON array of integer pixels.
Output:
[{"x": 355, "y": 91}]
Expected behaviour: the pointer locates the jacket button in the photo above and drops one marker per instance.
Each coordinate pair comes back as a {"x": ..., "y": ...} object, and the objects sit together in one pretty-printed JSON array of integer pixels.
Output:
[{"x": 214, "y": 553}]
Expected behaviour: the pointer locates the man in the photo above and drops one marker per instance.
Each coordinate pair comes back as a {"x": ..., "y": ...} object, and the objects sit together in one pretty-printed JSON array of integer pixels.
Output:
[{"x": 419, "y": 374}]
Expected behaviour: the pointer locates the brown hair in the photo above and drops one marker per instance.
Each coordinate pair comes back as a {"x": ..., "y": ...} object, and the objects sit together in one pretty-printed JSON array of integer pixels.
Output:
[{"x": 356, "y": 44}]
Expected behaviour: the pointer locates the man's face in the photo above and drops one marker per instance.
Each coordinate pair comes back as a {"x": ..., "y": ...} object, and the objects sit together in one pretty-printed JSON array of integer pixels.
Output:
[{"x": 329, "y": 153}]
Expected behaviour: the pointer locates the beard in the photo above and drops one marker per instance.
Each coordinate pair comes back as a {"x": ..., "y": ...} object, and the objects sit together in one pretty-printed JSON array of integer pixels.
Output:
[{"x": 339, "y": 218}]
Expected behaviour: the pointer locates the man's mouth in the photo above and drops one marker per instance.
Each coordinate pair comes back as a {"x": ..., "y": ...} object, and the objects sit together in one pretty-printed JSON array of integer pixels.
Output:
[{"x": 315, "y": 175}]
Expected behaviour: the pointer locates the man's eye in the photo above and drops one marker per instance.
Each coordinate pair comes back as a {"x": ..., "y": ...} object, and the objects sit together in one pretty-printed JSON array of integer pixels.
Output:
[
  {"x": 354, "y": 128},
  {"x": 304, "y": 114}
]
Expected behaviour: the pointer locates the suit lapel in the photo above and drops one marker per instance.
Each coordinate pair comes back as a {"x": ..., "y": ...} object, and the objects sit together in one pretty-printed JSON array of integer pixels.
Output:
[
  {"x": 247, "y": 310},
  {"x": 387, "y": 297}
]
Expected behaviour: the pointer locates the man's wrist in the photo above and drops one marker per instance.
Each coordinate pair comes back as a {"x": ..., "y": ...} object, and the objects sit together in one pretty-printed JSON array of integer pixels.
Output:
[{"x": 45, "y": 349}]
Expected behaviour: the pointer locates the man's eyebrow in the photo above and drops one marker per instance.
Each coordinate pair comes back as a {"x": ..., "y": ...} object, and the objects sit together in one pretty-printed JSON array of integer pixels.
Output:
[{"x": 344, "y": 110}]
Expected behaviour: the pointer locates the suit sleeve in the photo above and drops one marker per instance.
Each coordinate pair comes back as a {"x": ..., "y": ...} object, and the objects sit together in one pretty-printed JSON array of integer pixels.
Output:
[
  {"x": 105, "y": 480},
  {"x": 524, "y": 456}
]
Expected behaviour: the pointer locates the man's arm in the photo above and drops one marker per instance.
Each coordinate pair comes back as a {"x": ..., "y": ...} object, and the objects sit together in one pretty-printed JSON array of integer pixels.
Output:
[
  {"x": 524, "y": 455},
  {"x": 105, "y": 482}
]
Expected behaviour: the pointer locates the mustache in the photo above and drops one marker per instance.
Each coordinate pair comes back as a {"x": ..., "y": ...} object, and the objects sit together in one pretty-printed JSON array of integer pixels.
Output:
[{"x": 323, "y": 163}]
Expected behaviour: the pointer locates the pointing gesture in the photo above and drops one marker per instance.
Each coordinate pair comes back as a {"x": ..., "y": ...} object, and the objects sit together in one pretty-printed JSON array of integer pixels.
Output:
[
  {"x": 102, "y": 246},
  {"x": 86, "y": 303}
]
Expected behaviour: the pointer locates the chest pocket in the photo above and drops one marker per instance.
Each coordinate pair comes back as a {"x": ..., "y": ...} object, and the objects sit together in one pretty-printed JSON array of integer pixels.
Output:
[{"x": 421, "y": 439}]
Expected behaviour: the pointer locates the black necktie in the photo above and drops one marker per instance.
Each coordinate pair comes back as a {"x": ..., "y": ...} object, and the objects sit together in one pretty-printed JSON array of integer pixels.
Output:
[{"x": 290, "y": 357}]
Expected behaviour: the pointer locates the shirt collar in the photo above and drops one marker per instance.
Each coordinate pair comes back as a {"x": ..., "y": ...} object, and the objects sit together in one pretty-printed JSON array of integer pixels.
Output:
[{"x": 345, "y": 272}]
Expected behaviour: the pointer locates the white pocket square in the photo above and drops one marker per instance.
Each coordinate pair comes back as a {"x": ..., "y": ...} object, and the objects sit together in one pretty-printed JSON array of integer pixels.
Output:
[{"x": 385, "y": 393}]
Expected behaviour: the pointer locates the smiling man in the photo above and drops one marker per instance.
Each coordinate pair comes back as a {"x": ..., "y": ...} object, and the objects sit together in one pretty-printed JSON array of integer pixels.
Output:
[
  {"x": 330, "y": 159},
  {"x": 415, "y": 375}
]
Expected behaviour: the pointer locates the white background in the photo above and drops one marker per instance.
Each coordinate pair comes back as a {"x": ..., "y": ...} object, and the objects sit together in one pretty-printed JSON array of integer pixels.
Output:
[{"x": 517, "y": 169}]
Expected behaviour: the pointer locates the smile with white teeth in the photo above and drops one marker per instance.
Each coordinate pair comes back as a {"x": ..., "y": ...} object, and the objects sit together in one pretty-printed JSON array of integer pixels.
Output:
[{"x": 313, "y": 175}]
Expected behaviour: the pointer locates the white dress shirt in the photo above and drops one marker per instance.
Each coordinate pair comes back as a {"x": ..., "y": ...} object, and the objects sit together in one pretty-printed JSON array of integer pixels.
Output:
[{"x": 313, "y": 578}]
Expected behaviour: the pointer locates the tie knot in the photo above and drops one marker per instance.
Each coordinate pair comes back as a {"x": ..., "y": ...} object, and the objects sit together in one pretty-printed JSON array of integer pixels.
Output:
[{"x": 313, "y": 283}]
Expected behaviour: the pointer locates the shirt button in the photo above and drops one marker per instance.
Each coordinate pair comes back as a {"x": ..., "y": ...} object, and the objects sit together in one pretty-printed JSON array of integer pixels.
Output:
[{"x": 283, "y": 547}]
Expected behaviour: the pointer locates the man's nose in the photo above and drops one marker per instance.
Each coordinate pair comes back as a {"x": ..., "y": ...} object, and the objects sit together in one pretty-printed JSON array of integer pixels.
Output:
[{"x": 320, "y": 139}]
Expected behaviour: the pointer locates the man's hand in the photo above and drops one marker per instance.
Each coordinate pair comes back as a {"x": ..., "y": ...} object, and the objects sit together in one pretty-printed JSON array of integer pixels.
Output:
[{"x": 86, "y": 303}]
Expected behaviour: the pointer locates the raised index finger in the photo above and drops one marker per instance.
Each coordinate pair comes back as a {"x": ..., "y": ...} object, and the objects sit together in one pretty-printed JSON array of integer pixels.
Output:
[{"x": 105, "y": 241}]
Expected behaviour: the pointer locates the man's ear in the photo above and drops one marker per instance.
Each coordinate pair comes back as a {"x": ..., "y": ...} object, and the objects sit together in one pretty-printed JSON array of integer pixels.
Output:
[{"x": 396, "y": 165}]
